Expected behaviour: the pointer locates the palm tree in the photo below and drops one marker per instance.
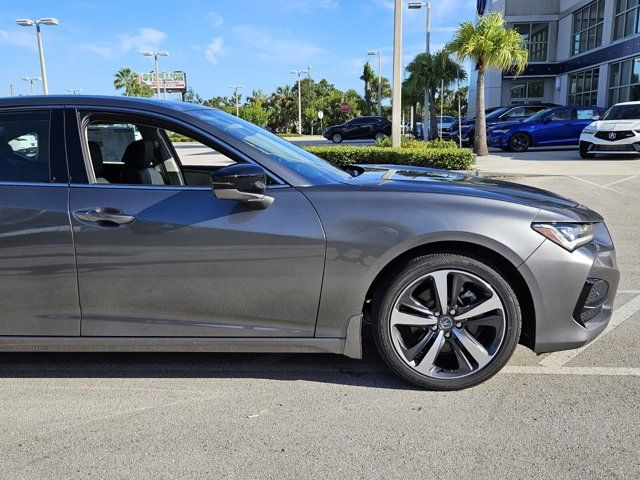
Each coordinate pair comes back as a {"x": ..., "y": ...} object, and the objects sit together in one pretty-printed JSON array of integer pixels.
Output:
[
  {"x": 124, "y": 78},
  {"x": 386, "y": 90},
  {"x": 368, "y": 76},
  {"x": 429, "y": 71},
  {"x": 489, "y": 45}
]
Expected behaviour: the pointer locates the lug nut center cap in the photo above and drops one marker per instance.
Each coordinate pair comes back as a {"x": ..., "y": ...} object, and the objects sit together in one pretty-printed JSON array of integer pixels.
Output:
[{"x": 445, "y": 323}]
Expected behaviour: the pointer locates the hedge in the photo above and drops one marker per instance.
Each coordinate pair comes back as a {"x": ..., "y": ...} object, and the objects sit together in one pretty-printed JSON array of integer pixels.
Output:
[{"x": 447, "y": 158}]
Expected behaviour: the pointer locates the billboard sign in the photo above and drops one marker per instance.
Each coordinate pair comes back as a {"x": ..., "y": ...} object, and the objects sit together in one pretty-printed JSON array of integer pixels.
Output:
[{"x": 172, "y": 81}]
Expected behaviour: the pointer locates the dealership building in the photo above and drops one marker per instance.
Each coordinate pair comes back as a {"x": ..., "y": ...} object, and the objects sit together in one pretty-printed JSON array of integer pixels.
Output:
[{"x": 581, "y": 52}]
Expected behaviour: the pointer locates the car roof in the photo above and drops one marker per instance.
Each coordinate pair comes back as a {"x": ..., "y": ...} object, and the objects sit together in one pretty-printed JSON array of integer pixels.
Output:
[
  {"x": 99, "y": 100},
  {"x": 627, "y": 103}
]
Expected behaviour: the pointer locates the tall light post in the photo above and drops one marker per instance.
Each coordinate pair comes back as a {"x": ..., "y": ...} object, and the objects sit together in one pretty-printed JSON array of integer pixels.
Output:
[
  {"x": 426, "y": 127},
  {"x": 236, "y": 98},
  {"x": 396, "y": 128},
  {"x": 27, "y": 22},
  {"x": 155, "y": 56},
  {"x": 379, "y": 54},
  {"x": 31, "y": 80},
  {"x": 299, "y": 73}
]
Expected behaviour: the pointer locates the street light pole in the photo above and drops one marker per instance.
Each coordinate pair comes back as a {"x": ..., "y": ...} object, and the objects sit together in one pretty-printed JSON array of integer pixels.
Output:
[
  {"x": 299, "y": 73},
  {"x": 28, "y": 22},
  {"x": 426, "y": 117},
  {"x": 155, "y": 56},
  {"x": 379, "y": 54},
  {"x": 236, "y": 98},
  {"x": 397, "y": 75},
  {"x": 31, "y": 80}
]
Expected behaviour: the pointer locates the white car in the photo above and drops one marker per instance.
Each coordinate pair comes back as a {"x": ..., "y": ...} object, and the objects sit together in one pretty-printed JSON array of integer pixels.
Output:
[{"x": 617, "y": 132}]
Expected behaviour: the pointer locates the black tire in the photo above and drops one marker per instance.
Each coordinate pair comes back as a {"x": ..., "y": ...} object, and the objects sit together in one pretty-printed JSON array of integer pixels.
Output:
[
  {"x": 390, "y": 289},
  {"x": 336, "y": 137},
  {"x": 584, "y": 153},
  {"x": 379, "y": 136},
  {"x": 519, "y": 142}
]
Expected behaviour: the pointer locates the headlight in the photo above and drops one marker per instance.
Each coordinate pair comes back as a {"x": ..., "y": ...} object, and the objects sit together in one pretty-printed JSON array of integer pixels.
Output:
[
  {"x": 589, "y": 130},
  {"x": 568, "y": 235}
]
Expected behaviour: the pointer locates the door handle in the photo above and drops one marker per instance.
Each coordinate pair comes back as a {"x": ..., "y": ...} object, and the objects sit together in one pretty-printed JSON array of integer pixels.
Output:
[{"x": 108, "y": 215}]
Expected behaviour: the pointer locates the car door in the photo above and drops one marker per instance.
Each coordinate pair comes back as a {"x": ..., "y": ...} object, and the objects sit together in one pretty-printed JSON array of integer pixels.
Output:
[
  {"x": 556, "y": 128},
  {"x": 37, "y": 259},
  {"x": 173, "y": 260}
]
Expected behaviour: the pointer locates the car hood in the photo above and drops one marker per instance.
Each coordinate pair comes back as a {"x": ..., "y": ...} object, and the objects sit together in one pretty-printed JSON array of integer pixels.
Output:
[
  {"x": 419, "y": 179},
  {"x": 505, "y": 124},
  {"x": 616, "y": 125}
]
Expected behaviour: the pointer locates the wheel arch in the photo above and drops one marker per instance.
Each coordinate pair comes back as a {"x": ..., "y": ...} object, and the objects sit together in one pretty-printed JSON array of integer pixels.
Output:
[{"x": 506, "y": 266}]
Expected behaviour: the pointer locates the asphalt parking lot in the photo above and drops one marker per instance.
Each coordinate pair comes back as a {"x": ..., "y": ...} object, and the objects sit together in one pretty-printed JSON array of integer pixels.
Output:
[{"x": 564, "y": 415}]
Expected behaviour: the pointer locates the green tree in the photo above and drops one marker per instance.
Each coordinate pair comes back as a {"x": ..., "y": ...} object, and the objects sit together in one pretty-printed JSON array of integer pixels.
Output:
[
  {"x": 125, "y": 79},
  {"x": 386, "y": 89},
  {"x": 489, "y": 45},
  {"x": 429, "y": 71},
  {"x": 367, "y": 77},
  {"x": 191, "y": 96}
]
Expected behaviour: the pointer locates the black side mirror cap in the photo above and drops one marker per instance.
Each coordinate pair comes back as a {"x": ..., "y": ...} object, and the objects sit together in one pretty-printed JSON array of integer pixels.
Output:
[{"x": 242, "y": 182}]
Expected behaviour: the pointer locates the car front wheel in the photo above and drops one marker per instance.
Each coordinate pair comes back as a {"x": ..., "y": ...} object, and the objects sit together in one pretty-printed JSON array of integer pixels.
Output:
[
  {"x": 520, "y": 142},
  {"x": 336, "y": 137},
  {"x": 584, "y": 150},
  {"x": 446, "y": 321}
]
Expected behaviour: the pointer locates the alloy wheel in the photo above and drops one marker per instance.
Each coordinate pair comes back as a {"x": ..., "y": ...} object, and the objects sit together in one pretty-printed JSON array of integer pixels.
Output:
[
  {"x": 519, "y": 142},
  {"x": 448, "y": 324}
]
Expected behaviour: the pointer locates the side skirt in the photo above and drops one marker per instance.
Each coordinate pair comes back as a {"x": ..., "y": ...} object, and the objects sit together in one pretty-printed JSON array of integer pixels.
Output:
[{"x": 171, "y": 344}]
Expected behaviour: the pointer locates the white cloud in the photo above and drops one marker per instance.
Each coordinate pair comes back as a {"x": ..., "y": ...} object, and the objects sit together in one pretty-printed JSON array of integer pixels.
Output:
[
  {"x": 144, "y": 39},
  {"x": 214, "y": 50},
  {"x": 215, "y": 18},
  {"x": 285, "y": 48},
  {"x": 19, "y": 38}
]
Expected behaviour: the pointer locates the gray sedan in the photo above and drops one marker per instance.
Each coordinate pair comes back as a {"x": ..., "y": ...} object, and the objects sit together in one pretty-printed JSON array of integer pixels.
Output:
[{"x": 113, "y": 239}]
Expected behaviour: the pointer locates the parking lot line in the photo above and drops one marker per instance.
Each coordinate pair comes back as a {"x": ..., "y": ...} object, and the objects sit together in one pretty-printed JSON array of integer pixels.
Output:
[
  {"x": 621, "y": 180},
  {"x": 602, "y": 186},
  {"x": 559, "y": 359},
  {"x": 540, "y": 370}
]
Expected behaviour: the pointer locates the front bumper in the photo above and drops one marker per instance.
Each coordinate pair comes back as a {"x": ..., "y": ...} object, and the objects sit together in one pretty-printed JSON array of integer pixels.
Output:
[
  {"x": 589, "y": 143},
  {"x": 570, "y": 311},
  {"x": 500, "y": 140}
]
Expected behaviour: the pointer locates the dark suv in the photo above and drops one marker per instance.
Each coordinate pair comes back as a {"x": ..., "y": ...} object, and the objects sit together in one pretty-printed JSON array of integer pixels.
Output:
[
  {"x": 359, "y": 128},
  {"x": 513, "y": 113}
]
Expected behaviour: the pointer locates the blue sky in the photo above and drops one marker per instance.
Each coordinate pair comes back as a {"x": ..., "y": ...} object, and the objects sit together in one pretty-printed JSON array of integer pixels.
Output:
[{"x": 217, "y": 42}]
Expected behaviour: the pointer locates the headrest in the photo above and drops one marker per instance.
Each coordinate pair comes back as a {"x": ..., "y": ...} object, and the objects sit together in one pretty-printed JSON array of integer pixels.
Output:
[
  {"x": 96, "y": 158},
  {"x": 139, "y": 154}
]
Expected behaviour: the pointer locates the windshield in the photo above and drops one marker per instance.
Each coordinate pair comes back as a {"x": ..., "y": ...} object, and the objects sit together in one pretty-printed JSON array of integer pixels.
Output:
[
  {"x": 496, "y": 113},
  {"x": 622, "y": 112},
  {"x": 537, "y": 116},
  {"x": 303, "y": 163}
]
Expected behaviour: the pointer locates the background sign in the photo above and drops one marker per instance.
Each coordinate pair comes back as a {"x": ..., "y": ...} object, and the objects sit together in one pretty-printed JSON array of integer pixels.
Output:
[
  {"x": 344, "y": 107},
  {"x": 174, "y": 81},
  {"x": 320, "y": 114}
]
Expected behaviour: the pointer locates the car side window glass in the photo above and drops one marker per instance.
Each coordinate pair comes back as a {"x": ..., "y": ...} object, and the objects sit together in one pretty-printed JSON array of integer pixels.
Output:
[
  {"x": 139, "y": 154},
  {"x": 516, "y": 113},
  {"x": 24, "y": 146},
  {"x": 561, "y": 115},
  {"x": 587, "y": 114}
]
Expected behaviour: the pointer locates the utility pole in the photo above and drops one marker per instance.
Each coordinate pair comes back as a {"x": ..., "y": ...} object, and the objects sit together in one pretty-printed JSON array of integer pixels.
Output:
[
  {"x": 426, "y": 116},
  {"x": 155, "y": 56},
  {"x": 11, "y": 90},
  {"x": 28, "y": 22},
  {"x": 396, "y": 128},
  {"x": 379, "y": 54},
  {"x": 236, "y": 97},
  {"x": 299, "y": 74}
]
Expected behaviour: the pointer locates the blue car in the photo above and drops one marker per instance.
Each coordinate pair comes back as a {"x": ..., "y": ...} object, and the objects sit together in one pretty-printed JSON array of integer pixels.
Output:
[
  {"x": 495, "y": 116},
  {"x": 551, "y": 127}
]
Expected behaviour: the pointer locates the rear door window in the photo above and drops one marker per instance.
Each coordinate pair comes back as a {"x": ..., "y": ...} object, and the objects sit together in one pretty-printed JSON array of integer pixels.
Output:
[{"x": 24, "y": 146}]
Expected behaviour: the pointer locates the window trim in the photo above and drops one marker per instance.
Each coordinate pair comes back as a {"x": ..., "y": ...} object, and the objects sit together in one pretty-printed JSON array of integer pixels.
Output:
[
  {"x": 623, "y": 13},
  {"x": 594, "y": 27},
  {"x": 611, "y": 88},
  {"x": 590, "y": 92},
  {"x": 84, "y": 112},
  {"x": 528, "y": 42}
]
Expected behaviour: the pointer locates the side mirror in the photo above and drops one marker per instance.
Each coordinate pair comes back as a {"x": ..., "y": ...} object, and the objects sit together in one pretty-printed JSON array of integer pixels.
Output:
[
  {"x": 242, "y": 182},
  {"x": 596, "y": 117}
]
